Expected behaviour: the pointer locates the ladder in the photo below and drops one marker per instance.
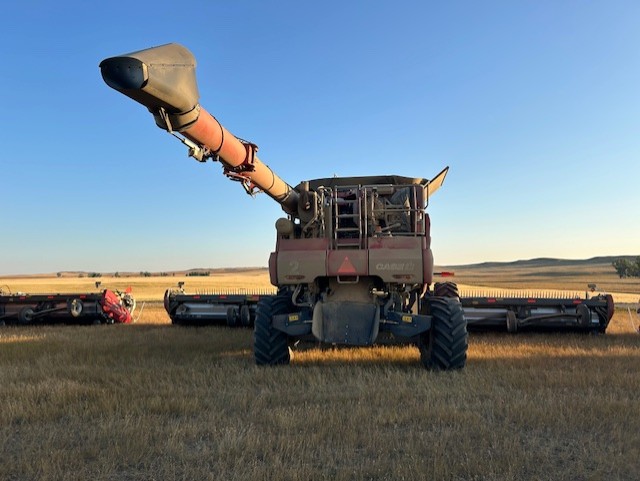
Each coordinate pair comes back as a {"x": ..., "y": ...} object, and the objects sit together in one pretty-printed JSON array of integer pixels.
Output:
[{"x": 349, "y": 230}]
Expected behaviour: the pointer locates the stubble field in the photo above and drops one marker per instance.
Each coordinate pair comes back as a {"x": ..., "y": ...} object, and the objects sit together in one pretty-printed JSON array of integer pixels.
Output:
[{"x": 156, "y": 401}]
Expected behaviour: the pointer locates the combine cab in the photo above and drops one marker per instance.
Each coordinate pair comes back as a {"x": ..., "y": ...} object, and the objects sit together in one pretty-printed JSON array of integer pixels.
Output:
[
  {"x": 233, "y": 308},
  {"x": 107, "y": 307}
]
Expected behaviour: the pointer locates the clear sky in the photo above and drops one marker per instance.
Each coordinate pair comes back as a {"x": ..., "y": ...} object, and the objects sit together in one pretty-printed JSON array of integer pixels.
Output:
[{"x": 534, "y": 105}]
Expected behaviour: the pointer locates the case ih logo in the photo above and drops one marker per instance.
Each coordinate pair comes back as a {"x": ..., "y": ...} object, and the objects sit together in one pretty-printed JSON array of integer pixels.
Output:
[{"x": 395, "y": 266}]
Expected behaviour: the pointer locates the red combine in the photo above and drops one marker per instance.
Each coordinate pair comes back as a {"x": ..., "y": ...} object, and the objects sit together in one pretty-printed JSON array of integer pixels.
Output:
[{"x": 353, "y": 261}]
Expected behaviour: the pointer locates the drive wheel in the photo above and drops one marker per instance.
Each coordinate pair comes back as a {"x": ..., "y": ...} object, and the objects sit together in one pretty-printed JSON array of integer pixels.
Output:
[
  {"x": 270, "y": 346},
  {"x": 444, "y": 346},
  {"x": 446, "y": 289}
]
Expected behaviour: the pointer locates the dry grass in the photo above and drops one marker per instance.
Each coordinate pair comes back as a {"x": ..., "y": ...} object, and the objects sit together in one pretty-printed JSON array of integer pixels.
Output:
[
  {"x": 573, "y": 278},
  {"x": 149, "y": 402},
  {"x": 144, "y": 288}
]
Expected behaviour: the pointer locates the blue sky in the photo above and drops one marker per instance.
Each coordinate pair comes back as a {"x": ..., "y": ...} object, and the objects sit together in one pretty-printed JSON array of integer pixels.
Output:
[{"x": 534, "y": 105}]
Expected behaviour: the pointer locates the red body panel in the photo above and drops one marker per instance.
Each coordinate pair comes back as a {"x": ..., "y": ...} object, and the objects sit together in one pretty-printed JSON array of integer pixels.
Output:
[{"x": 112, "y": 307}]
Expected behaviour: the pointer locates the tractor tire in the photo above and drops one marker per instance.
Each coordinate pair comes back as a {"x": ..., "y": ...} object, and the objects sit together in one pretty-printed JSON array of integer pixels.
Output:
[
  {"x": 444, "y": 346},
  {"x": 25, "y": 316},
  {"x": 446, "y": 289},
  {"x": 270, "y": 346}
]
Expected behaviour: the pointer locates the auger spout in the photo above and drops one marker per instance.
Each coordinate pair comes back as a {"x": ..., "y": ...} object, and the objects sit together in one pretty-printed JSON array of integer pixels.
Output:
[{"x": 163, "y": 80}]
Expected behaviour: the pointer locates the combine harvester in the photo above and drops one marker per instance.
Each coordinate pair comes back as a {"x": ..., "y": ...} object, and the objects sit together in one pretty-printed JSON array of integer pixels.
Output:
[
  {"x": 353, "y": 262},
  {"x": 353, "y": 259},
  {"x": 235, "y": 308},
  {"x": 106, "y": 307}
]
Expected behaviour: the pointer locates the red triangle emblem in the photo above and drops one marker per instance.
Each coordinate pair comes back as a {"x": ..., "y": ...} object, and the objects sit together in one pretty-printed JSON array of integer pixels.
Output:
[{"x": 346, "y": 267}]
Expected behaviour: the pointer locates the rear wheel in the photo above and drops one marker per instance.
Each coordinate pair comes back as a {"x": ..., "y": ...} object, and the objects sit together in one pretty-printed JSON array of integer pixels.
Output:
[
  {"x": 270, "y": 346},
  {"x": 444, "y": 346}
]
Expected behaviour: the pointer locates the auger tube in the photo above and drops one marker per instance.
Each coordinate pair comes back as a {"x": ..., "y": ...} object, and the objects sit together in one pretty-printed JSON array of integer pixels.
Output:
[{"x": 163, "y": 80}]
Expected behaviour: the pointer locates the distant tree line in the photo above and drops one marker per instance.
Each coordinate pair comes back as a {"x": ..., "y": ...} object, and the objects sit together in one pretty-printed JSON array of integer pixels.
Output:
[
  {"x": 198, "y": 273},
  {"x": 142, "y": 274},
  {"x": 627, "y": 268}
]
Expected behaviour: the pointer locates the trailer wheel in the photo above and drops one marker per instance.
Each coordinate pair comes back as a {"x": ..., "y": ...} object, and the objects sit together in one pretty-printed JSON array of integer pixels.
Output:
[
  {"x": 25, "y": 316},
  {"x": 270, "y": 346},
  {"x": 179, "y": 314},
  {"x": 75, "y": 307},
  {"x": 245, "y": 315},
  {"x": 512, "y": 322},
  {"x": 232, "y": 317},
  {"x": 605, "y": 314},
  {"x": 444, "y": 346},
  {"x": 446, "y": 289},
  {"x": 166, "y": 302},
  {"x": 584, "y": 316}
]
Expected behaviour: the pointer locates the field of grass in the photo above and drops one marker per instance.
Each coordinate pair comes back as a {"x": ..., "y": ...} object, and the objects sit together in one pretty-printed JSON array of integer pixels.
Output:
[
  {"x": 154, "y": 401},
  {"x": 143, "y": 288},
  {"x": 570, "y": 276}
]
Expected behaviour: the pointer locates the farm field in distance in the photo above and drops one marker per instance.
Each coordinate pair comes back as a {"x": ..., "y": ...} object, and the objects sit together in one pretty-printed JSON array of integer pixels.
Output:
[{"x": 156, "y": 401}]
